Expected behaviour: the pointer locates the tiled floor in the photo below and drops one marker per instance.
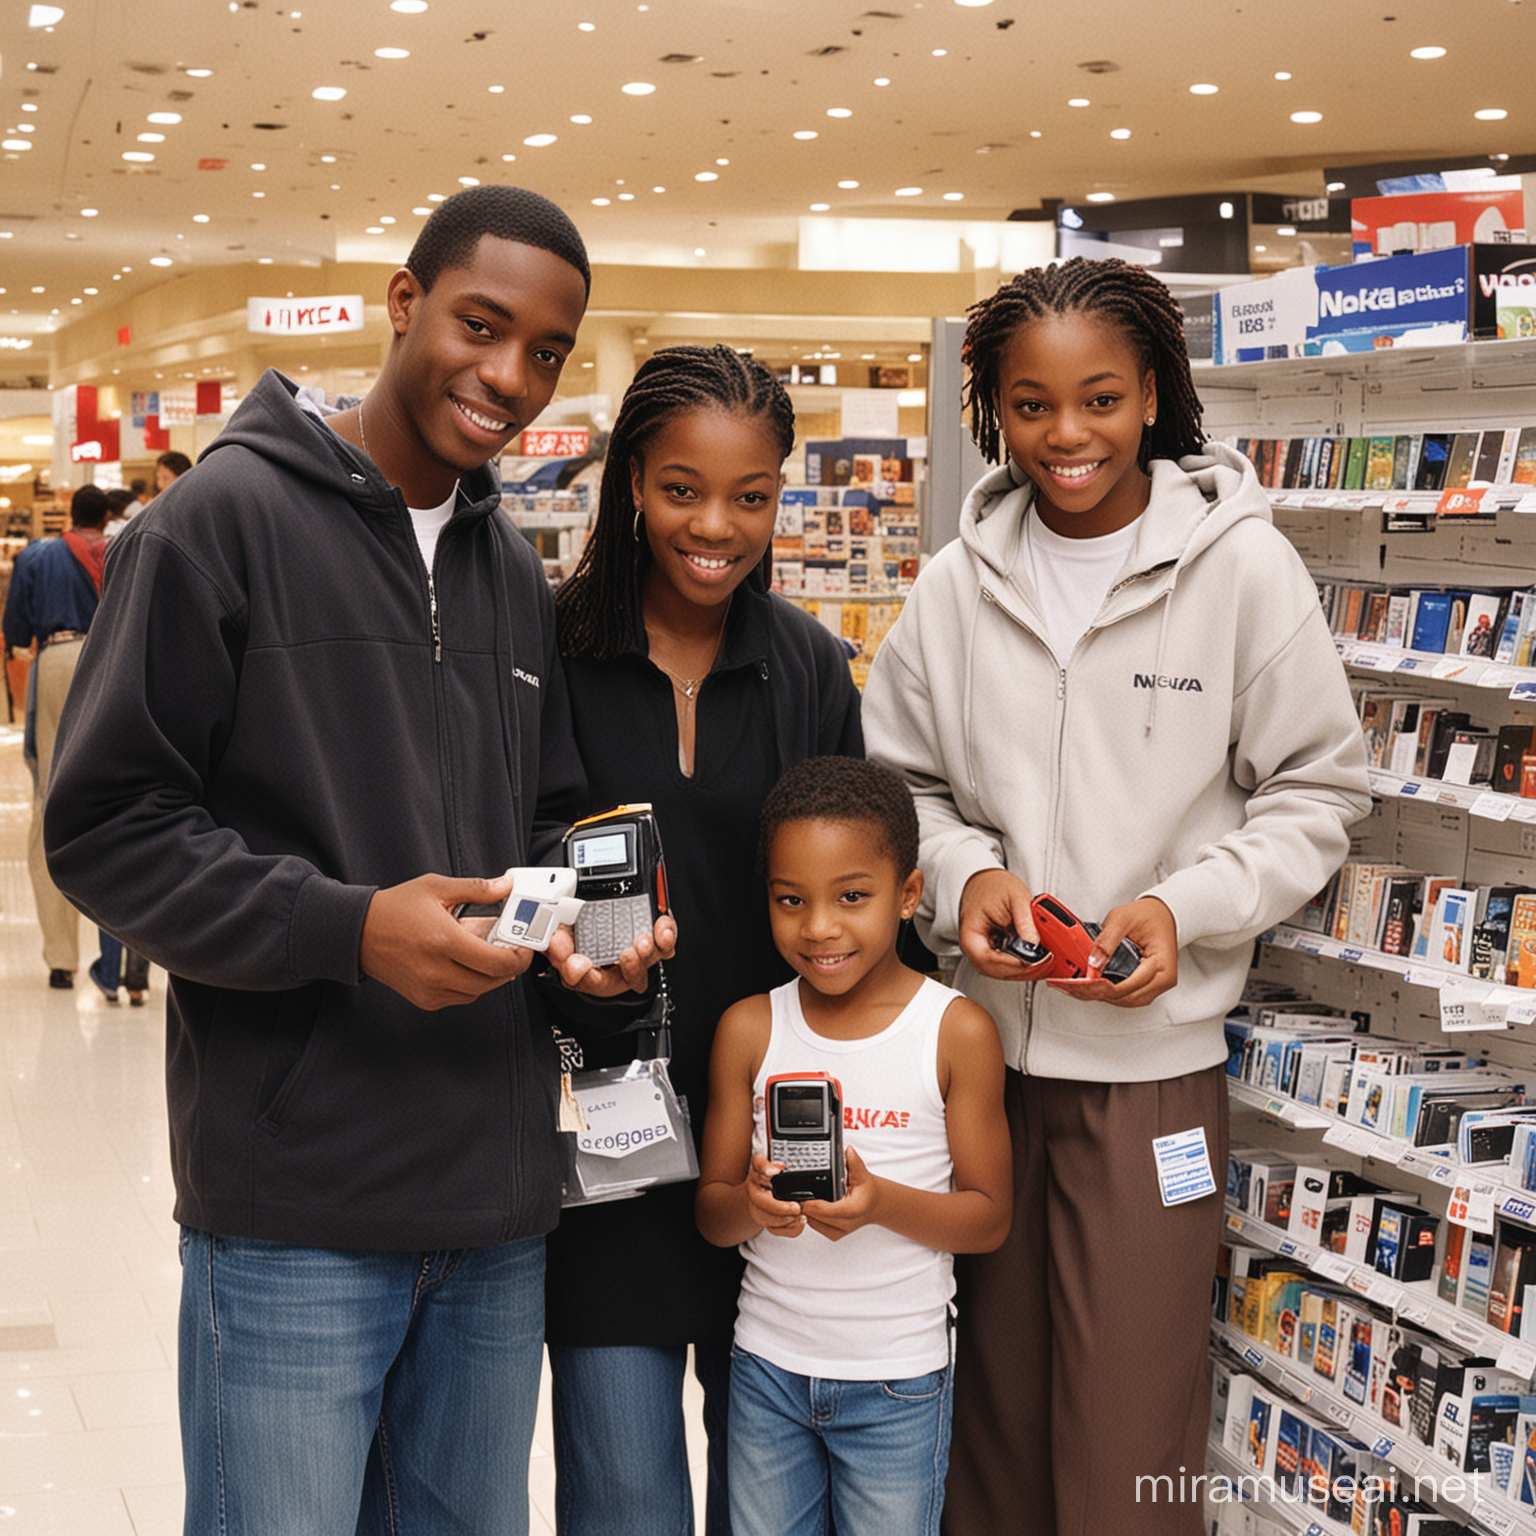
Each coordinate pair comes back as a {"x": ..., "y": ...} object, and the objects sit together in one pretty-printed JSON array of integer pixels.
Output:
[{"x": 89, "y": 1280}]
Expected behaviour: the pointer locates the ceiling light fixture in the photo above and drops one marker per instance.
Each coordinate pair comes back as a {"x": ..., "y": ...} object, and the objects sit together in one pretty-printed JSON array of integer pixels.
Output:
[
  {"x": 160, "y": 261},
  {"x": 707, "y": 176},
  {"x": 909, "y": 191},
  {"x": 883, "y": 80},
  {"x": 1119, "y": 133},
  {"x": 1426, "y": 53},
  {"x": 820, "y": 207},
  {"x": 1079, "y": 101},
  {"x": 165, "y": 119},
  {"x": 839, "y": 112},
  {"x": 328, "y": 92},
  {"x": 199, "y": 218},
  {"x": 391, "y": 53},
  {"x": 1282, "y": 74},
  {"x": 581, "y": 118},
  {"x": 137, "y": 156},
  {"x": 45, "y": 16},
  {"x": 1101, "y": 197},
  {"x": 1203, "y": 90},
  {"x": 408, "y": 7},
  {"x": 1306, "y": 117},
  {"x": 806, "y": 133},
  {"x": 638, "y": 88},
  {"x": 1490, "y": 114},
  {"x": 602, "y": 202},
  {"x": 89, "y": 213},
  {"x": 954, "y": 197},
  {"x": 539, "y": 140},
  {"x": 848, "y": 186}
]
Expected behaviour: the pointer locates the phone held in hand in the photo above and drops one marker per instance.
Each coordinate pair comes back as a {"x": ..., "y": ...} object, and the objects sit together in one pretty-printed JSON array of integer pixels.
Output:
[
  {"x": 805, "y": 1136},
  {"x": 621, "y": 879},
  {"x": 1068, "y": 942}
]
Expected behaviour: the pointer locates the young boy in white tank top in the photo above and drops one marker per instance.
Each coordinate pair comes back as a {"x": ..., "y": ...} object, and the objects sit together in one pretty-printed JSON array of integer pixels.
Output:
[{"x": 840, "y": 1379}]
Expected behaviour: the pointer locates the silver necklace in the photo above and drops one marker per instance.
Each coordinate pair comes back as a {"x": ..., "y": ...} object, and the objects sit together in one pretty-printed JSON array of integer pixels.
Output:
[{"x": 360, "y": 429}]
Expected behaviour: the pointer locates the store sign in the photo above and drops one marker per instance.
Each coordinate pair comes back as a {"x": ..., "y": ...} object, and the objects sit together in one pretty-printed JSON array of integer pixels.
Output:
[
  {"x": 304, "y": 317},
  {"x": 79, "y": 453},
  {"x": 557, "y": 443}
]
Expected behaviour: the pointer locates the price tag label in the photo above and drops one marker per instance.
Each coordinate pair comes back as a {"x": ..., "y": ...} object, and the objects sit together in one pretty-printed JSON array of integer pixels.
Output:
[
  {"x": 1359, "y": 1282},
  {"x": 1410, "y": 789},
  {"x": 1461, "y": 1008},
  {"x": 1353, "y": 955},
  {"x": 1472, "y": 1206},
  {"x": 1275, "y": 1107},
  {"x": 1288, "y": 1249},
  {"x": 1410, "y": 664},
  {"x": 1465, "y": 1330},
  {"x": 1524, "y": 810},
  {"x": 1519, "y": 1358},
  {"x": 1340, "y": 1415},
  {"x": 1460, "y": 503},
  {"x": 1444, "y": 1173},
  {"x": 1382, "y": 1446},
  {"x": 1425, "y": 976},
  {"x": 1334, "y": 1266},
  {"x": 1518, "y": 1206},
  {"x": 1493, "y": 807},
  {"x": 1414, "y": 1311},
  {"x": 1450, "y": 668},
  {"x": 1494, "y": 1519},
  {"x": 1234, "y": 1222},
  {"x": 1387, "y": 1292},
  {"x": 1254, "y": 1358},
  {"x": 1521, "y": 1011}
]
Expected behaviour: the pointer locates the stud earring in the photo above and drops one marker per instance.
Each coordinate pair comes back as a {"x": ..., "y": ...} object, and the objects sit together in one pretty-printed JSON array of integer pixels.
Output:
[{"x": 1151, "y": 421}]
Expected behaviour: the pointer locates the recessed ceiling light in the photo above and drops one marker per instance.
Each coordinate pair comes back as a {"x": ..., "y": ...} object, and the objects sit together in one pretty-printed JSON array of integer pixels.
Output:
[
  {"x": 1203, "y": 90},
  {"x": 388, "y": 218},
  {"x": 165, "y": 119},
  {"x": 1079, "y": 101},
  {"x": 89, "y": 213},
  {"x": 586, "y": 26},
  {"x": 258, "y": 166},
  {"x": 29, "y": 128},
  {"x": 539, "y": 140},
  {"x": 883, "y": 80},
  {"x": 328, "y": 92},
  {"x": 1101, "y": 197},
  {"x": 626, "y": 197},
  {"x": 658, "y": 189},
  {"x": 699, "y": 250},
  {"x": 914, "y": 357},
  {"x": 29, "y": 106},
  {"x": 91, "y": 293},
  {"x": 421, "y": 213},
  {"x": 1306, "y": 117},
  {"x": 25, "y": 144},
  {"x": 39, "y": 289},
  {"x": 638, "y": 88},
  {"x": 1282, "y": 74},
  {"x": 820, "y": 207},
  {"x": 806, "y": 133},
  {"x": 954, "y": 197},
  {"x": 977, "y": 3},
  {"x": 1426, "y": 53},
  {"x": 940, "y": 53},
  {"x": 261, "y": 261},
  {"x": 199, "y": 218},
  {"x": 582, "y": 118},
  {"x": 722, "y": 161},
  {"x": 150, "y": 138},
  {"x": 391, "y": 53},
  {"x": 160, "y": 261},
  {"x": 909, "y": 191},
  {"x": 408, "y": 7},
  {"x": 508, "y": 159},
  {"x": 848, "y": 186},
  {"x": 839, "y": 112},
  {"x": 197, "y": 74},
  {"x": 1286, "y": 231},
  {"x": 469, "y": 181},
  {"x": 1035, "y": 133},
  {"x": 1261, "y": 249},
  {"x": 707, "y": 176},
  {"x": 327, "y": 159},
  {"x": 602, "y": 202},
  {"x": 138, "y": 156},
  {"x": 258, "y": 194},
  {"x": 1119, "y": 133},
  {"x": 45, "y": 16},
  {"x": 496, "y": 90},
  {"x": 1490, "y": 114}
]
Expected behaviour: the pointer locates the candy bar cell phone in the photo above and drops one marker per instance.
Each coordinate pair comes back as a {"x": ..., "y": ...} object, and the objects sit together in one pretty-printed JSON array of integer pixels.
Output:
[
  {"x": 542, "y": 899},
  {"x": 1021, "y": 949},
  {"x": 805, "y": 1136},
  {"x": 620, "y": 876},
  {"x": 1071, "y": 941}
]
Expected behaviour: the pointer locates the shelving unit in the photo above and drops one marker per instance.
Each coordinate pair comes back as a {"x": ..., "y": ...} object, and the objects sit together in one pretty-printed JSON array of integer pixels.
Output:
[{"x": 1488, "y": 838}]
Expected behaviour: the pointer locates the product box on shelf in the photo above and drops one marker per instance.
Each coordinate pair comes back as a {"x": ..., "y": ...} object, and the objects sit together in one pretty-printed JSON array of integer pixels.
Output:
[{"x": 1423, "y": 221}]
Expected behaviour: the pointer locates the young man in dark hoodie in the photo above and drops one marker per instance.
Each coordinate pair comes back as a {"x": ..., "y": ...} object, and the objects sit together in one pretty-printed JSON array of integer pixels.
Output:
[{"x": 321, "y": 704}]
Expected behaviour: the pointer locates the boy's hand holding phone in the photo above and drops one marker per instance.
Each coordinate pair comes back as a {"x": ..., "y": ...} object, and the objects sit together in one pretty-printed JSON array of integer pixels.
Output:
[{"x": 778, "y": 1218}]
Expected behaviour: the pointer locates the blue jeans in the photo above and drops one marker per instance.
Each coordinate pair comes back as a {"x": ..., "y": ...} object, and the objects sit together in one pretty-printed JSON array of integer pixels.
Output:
[
  {"x": 621, "y": 1460},
  {"x": 809, "y": 1455},
  {"x": 324, "y": 1393}
]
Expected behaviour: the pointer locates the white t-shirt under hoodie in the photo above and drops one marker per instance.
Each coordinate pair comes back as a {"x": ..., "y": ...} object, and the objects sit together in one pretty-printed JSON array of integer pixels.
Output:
[{"x": 873, "y": 1306}]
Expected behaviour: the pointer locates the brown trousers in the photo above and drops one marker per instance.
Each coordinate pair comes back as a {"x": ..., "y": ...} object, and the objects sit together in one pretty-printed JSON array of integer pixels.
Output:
[{"x": 1083, "y": 1342}]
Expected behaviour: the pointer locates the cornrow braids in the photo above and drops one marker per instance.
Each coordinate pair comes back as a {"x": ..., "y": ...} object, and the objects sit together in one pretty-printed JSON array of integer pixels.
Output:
[
  {"x": 449, "y": 238},
  {"x": 597, "y": 609},
  {"x": 847, "y": 789},
  {"x": 1123, "y": 296}
]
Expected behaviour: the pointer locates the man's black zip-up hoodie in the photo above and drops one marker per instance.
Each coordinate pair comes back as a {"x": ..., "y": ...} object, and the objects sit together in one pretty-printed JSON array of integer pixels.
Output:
[{"x": 278, "y": 713}]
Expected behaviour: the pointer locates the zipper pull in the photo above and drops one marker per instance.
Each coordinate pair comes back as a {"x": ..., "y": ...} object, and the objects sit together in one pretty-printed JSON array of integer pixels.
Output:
[
  {"x": 437, "y": 634},
  {"x": 1061, "y": 683}
]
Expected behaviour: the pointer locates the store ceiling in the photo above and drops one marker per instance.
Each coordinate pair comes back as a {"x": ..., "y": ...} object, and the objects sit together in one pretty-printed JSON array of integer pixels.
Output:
[{"x": 976, "y": 115}]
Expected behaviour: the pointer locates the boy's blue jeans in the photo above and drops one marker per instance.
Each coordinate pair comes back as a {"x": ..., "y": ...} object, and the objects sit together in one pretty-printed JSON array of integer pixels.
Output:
[
  {"x": 328, "y": 1392},
  {"x": 809, "y": 1455}
]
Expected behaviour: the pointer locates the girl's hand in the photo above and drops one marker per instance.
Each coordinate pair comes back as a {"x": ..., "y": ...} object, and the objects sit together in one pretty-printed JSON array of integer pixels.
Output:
[
  {"x": 837, "y": 1218},
  {"x": 779, "y": 1218},
  {"x": 996, "y": 901},
  {"x": 1151, "y": 927}
]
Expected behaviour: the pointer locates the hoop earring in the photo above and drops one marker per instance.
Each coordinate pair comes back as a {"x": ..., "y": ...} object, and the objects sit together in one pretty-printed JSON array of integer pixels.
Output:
[{"x": 639, "y": 511}]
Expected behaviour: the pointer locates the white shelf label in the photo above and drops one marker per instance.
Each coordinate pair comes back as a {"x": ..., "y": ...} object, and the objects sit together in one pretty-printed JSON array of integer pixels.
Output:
[
  {"x": 1472, "y": 1206},
  {"x": 1523, "y": 1011},
  {"x": 1519, "y": 1358},
  {"x": 1493, "y": 807}
]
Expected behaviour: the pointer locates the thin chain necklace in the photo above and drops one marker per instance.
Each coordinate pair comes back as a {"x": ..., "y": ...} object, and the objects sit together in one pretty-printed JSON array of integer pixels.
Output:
[
  {"x": 360, "y": 432},
  {"x": 689, "y": 686}
]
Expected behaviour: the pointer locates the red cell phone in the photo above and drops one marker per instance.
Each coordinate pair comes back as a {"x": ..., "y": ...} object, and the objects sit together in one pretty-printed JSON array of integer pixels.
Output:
[{"x": 1067, "y": 941}]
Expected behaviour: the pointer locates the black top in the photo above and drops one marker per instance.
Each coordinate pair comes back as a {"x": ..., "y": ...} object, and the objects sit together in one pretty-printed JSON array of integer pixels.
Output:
[
  {"x": 270, "y": 721},
  {"x": 637, "y": 1271}
]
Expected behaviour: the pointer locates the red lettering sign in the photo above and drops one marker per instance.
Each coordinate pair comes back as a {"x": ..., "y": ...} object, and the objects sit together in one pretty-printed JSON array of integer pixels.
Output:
[
  {"x": 557, "y": 442},
  {"x": 1460, "y": 503}
]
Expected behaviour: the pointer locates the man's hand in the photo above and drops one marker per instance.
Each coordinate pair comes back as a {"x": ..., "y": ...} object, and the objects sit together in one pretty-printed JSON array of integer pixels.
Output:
[
  {"x": 995, "y": 900},
  {"x": 630, "y": 973},
  {"x": 415, "y": 946},
  {"x": 1150, "y": 926}
]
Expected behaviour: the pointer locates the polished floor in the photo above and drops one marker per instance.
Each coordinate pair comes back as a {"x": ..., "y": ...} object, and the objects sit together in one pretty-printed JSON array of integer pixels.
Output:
[{"x": 89, "y": 1280}]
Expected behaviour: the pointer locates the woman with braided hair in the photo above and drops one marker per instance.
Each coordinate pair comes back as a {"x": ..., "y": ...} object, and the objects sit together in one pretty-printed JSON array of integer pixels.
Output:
[
  {"x": 692, "y": 687},
  {"x": 1116, "y": 686}
]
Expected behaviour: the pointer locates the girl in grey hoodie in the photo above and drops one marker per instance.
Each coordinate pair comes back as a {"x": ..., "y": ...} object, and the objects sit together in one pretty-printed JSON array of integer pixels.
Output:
[{"x": 1116, "y": 686}]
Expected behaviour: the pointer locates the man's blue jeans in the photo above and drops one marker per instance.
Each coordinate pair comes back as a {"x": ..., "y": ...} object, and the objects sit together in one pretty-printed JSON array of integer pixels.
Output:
[
  {"x": 810, "y": 1455},
  {"x": 328, "y": 1392},
  {"x": 621, "y": 1456}
]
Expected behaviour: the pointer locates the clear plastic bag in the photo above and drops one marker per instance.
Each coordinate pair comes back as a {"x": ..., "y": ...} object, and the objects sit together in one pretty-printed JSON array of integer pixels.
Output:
[{"x": 637, "y": 1133}]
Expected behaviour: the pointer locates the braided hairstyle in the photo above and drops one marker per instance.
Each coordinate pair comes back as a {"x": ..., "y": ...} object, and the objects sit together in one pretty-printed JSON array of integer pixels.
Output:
[
  {"x": 449, "y": 238},
  {"x": 597, "y": 609},
  {"x": 1126, "y": 298}
]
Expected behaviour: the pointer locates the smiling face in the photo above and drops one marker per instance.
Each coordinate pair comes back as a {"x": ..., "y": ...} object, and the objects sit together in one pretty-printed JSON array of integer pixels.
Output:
[
  {"x": 836, "y": 903},
  {"x": 1073, "y": 400},
  {"x": 708, "y": 487},
  {"x": 476, "y": 358}
]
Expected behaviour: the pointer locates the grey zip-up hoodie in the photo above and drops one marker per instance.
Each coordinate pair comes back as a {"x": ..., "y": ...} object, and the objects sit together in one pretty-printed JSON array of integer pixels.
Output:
[{"x": 1198, "y": 745}]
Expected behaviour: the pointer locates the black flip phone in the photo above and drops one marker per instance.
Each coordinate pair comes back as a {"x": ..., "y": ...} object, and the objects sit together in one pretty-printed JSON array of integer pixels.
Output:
[
  {"x": 620, "y": 877},
  {"x": 805, "y": 1136}
]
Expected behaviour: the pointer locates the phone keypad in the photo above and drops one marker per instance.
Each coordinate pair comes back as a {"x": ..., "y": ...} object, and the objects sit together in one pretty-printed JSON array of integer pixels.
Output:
[
  {"x": 605, "y": 929},
  {"x": 796, "y": 1156}
]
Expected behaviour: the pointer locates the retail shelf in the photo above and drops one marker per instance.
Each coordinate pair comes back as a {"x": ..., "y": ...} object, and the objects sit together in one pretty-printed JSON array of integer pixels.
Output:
[
  {"x": 1485, "y": 1508},
  {"x": 1462, "y": 671},
  {"x": 1461, "y": 362},
  {"x": 1415, "y": 1303},
  {"x": 1291, "y": 1513}
]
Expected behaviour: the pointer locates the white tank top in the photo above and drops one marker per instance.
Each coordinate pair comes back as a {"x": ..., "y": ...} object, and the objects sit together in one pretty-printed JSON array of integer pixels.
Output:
[{"x": 872, "y": 1307}]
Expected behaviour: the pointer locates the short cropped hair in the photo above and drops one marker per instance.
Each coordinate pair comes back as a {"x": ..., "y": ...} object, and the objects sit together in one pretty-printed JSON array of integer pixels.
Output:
[
  {"x": 449, "y": 238},
  {"x": 846, "y": 789},
  {"x": 175, "y": 461},
  {"x": 88, "y": 507}
]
